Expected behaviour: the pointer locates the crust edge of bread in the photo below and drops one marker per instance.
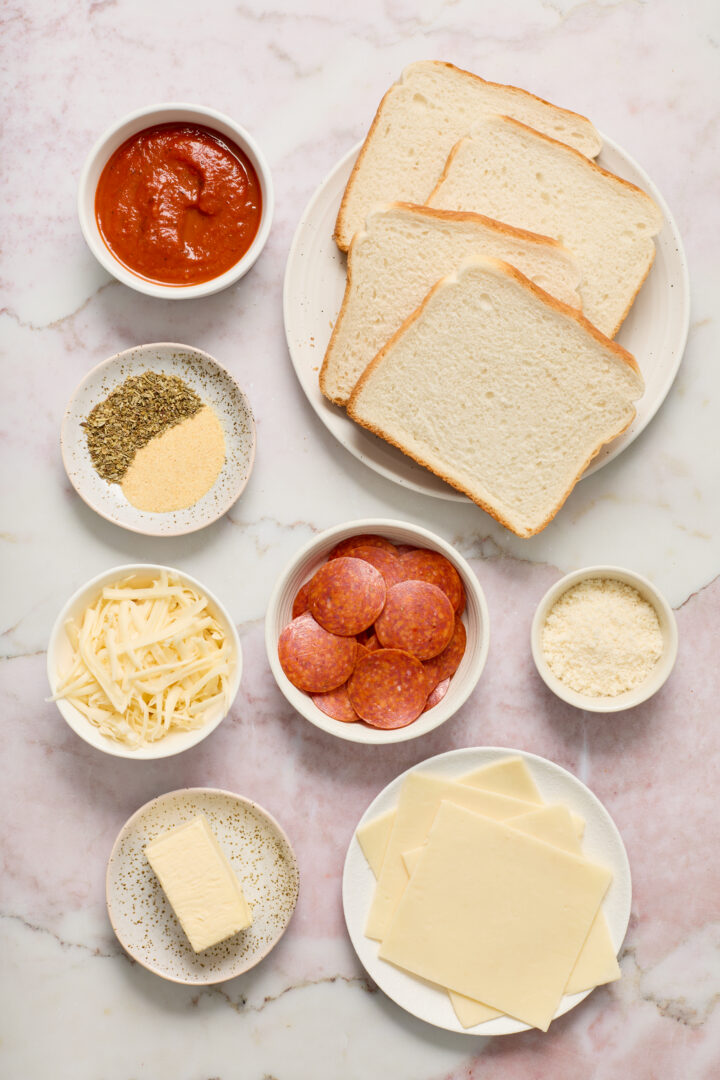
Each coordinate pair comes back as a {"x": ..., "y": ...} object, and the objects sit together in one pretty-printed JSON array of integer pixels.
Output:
[
  {"x": 621, "y": 353},
  {"x": 437, "y": 214},
  {"x": 339, "y": 232},
  {"x": 593, "y": 165}
]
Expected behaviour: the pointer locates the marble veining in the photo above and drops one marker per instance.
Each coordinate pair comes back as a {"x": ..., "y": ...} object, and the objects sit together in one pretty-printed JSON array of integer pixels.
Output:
[{"x": 305, "y": 78}]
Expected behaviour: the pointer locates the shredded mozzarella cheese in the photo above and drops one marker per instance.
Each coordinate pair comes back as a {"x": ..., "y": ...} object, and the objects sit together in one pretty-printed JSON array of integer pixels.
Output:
[{"x": 147, "y": 660}]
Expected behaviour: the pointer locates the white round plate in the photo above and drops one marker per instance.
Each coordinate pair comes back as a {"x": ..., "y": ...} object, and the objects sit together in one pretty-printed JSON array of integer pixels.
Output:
[
  {"x": 601, "y": 843},
  {"x": 259, "y": 853},
  {"x": 214, "y": 385},
  {"x": 655, "y": 331}
]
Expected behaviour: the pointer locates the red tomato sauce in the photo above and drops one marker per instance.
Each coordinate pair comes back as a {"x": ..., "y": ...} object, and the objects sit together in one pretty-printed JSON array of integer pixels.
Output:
[{"x": 178, "y": 203}]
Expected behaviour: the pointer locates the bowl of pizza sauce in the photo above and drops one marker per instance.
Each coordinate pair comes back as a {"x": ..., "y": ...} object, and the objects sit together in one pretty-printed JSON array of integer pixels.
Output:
[{"x": 176, "y": 201}]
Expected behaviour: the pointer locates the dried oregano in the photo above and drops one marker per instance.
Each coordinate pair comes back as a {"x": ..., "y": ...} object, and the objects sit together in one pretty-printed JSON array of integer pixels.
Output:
[{"x": 134, "y": 413}]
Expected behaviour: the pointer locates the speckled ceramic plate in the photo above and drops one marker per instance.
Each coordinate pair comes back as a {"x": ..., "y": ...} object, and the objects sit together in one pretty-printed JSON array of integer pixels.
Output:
[
  {"x": 261, "y": 856},
  {"x": 655, "y": 331},
  {"x": 601, "y": 842},
  {"x": 214, "y": 385}
]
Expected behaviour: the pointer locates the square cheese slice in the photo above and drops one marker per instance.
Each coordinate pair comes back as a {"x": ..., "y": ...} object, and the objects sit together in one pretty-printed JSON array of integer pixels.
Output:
[
  {"x": 597, "y": 963},
  {"x": 419, "y": 802},
  {"x": 509, "y": 776},
  {"x": 199, "y": 883},
  {"x": 495, "y": 915}
]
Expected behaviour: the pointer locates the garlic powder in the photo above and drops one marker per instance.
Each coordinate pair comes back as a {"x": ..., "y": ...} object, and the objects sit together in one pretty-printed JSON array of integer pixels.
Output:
[{"x": 601, "y": 638}]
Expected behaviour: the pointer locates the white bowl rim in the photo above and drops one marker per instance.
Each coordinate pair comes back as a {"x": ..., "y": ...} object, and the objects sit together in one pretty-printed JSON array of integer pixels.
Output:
[
  {"x": 153, "y": 288},
  {"x": 114, "y": 359},
  {"x": 81, "y": 726},
  {"x": 657, "y": 677},
  {"x": 200, "y": 791},
  {"x": 360, "y": 733}
]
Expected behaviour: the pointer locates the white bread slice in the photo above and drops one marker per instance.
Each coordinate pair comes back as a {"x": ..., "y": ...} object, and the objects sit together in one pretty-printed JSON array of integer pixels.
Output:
[
  {"x": 512, "y": 173},
  {"x": 418, "y": 122},
  {"x": 398, "y": 257},
  {"x": 501, "y": 390}
]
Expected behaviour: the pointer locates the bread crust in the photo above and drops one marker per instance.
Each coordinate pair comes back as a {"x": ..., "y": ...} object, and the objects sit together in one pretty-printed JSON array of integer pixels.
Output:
[
  {"x": 622, "y": 354},
  {"x": 593, "y": 165},
  {"x": 563, "y": 146},
  {"x": 436, "y": 214},
  {"x": 338, "y": 236}
]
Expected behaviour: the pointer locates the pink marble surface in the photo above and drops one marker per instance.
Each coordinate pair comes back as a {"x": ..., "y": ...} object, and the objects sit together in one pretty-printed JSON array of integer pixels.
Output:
[{"x": 304, "y": 78}]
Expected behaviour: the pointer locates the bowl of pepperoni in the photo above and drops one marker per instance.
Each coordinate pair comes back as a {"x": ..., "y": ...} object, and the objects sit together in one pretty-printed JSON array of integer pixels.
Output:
[{"x": 377, "y": 631}]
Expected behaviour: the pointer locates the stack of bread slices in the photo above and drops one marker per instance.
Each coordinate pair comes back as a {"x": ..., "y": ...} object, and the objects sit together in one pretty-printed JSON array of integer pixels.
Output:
[{"x": 490, "y": 262}]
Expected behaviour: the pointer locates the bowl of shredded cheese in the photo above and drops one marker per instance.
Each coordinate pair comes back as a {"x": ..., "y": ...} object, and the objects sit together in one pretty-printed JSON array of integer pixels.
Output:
[
  {"x": 144, "y": 662},
  {"x": 604, "y": 639}
]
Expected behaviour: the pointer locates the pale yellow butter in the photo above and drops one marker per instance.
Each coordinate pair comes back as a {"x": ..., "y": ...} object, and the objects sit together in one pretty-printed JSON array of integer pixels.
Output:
[{"x": 199, "y": 883}]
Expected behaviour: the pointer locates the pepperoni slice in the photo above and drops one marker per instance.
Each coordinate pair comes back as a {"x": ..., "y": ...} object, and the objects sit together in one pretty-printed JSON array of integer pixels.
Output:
[
  {"x": 300, "y": 603},
  {"x": 347, "y": 547},
  {"x": 424, "y": 565},
  {"x": 372, "y": 644},
  {"x": 417, "y": 617},
  {"x": 435, "y": 696},
  {"x": 446, "y": 663},
  {"x": 313, "y": 659},
  {"x": 346, "y": 595},
  {"x": 403, "y": 549},
  {"x": 388, "y": 688},
  {"x": 336, "y": 703},
  {"x": 463, "y": 600},
  {"x": 383, "y": 561}
]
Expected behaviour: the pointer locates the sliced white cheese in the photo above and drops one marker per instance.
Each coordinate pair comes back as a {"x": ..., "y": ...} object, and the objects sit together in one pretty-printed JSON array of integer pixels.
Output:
[
  {"x": 199, "y": 883},
  {"x": 373, "y": 839},
  {"x": 495, "y": 915},
  {"x": 510, "y": 776},
  {"x": 419, "y": 802},
  {"x": 596, "y": 964}
]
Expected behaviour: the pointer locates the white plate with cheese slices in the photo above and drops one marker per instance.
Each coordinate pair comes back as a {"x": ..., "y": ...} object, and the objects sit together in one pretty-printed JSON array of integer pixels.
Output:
[
  {"x": 261, "y": 857},
  {"x": 601, "y": 845},
  {"x": 655, "y": 331}
]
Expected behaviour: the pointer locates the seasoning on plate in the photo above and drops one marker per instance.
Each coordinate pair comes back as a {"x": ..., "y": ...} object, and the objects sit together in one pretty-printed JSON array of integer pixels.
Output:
[
  {"x": 177, "y": 468},
  {"x": 602, "y": 638},
  {"x": 178, "y": 203},
  {"x": 131, "y": 415},
  {"x": 154, "y": 435}
]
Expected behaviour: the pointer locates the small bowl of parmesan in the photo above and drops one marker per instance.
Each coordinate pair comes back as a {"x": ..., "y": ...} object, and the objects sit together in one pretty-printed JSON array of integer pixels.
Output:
[
  {"x": 144, "y": 662},
  {"x": 604, "y": 639}
]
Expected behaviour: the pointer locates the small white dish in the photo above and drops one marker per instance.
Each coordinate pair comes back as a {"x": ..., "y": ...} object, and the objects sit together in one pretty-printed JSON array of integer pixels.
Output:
[
  {"x": 214, "y": 385},
  {"x": 601, "y": 843},
  {"x": 115, "y": 136},
  {"x": 259, "y": 853},
  {"x": 655, "y": 331},
  {"x": 302, "y": 567},
  {"x": 657, "y": 676},
  {"x": 59, "y": 654}
]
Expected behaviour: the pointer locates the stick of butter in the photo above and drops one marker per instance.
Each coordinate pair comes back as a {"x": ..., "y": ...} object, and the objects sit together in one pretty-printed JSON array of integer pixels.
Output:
[{"x": 199, "y": 883}]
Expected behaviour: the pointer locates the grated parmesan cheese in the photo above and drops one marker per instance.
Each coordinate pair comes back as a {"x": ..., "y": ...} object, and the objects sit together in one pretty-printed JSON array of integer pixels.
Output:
[
  {"x": 601, "y": 638},
  {"x": 147, "y": 660}
]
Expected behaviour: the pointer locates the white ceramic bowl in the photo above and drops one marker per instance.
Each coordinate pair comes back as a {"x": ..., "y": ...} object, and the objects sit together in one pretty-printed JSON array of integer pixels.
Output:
[
  {"x": 114, "y": 137},
  {"x": 659, "y": 673},
  {"x": 59, "y": 653},
  {"x": 303, "y": 566}
]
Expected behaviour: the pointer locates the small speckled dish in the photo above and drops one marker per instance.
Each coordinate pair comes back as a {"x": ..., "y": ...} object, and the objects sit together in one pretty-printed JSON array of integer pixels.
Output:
[
  {"x": 259, "y": 853},
  {"x": 657, "y": 676},
  {"x": 214, "y": 385}
]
